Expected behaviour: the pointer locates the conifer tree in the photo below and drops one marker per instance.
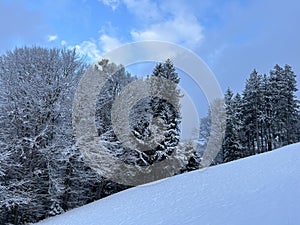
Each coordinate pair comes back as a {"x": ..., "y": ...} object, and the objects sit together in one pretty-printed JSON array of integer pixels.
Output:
[
  {"x": 164, "y": 110},
  {"x": 292, "y": 105},
  {"x": 251, "y": 110},
  {"x": 265, "y": 117},
  {"x": 232, "y": 148}
]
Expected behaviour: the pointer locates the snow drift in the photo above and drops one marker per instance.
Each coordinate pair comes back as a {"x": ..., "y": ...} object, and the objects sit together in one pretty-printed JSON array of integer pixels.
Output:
[{"x": 262, "y": 189}]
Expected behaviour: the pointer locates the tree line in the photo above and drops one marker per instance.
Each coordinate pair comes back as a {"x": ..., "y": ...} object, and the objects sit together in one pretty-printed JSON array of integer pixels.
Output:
[
  {"x": 42, "y": 171},
  {"x": 264, "y": 117}
]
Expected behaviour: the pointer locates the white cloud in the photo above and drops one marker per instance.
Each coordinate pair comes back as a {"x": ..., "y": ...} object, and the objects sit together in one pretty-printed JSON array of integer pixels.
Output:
[
  {"x": 140, "y": 8},
  {"x": 63, "y": 42},
  {"x": 111, "y": 3},
  {"x": 108, "y": 43},
  {"x": 90, "y": 49},
  {"x": 166, "y": 21},
  {"x": 95, "y": 49},
  {"x": 184, "y": 30},
  {"x": 52, "y": 37}
]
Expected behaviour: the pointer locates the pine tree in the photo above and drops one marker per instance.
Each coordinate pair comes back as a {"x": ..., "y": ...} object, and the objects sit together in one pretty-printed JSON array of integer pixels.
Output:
[
  {"x": 278, "y": 86},
  {"x": 251, "y": 110},
  {"x": 266, "y": 116},
  {"x": 284, "y": 105},
  {"x": 193, "y": 160},
  {"x": 232, "y": 148},
  {"x": 165, "y": 111},
  {"x": 292, "y": 105}
]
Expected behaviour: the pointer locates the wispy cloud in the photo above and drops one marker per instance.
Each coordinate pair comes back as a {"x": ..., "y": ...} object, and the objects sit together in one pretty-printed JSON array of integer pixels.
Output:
[
  {"x": 140, "y": 8},
  {"x": 51, "y": 38},
  {"x": 111, "y": 3},
  {"x": 90, "y": 49},
  {"x": 95, "y": 49},
  {"x": 144, "y": 9}
]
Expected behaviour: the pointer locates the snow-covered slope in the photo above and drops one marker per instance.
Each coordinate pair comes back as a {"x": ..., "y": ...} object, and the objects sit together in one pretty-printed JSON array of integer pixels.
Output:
[{"x": 263, "y": 189}]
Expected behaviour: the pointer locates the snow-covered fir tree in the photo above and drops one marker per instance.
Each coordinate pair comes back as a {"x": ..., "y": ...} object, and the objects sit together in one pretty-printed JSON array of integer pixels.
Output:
[
  {"x": 232, "y": 146},
  {"x": 165, "y": 111},
  {"x": 284, "y": 105},
  {"x": 265, "y": 117},
  {"x": 251, "y": 107}
]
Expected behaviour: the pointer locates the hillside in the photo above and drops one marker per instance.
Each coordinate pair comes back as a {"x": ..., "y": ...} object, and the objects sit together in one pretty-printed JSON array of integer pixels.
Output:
[{"x": 262, "y": 189}]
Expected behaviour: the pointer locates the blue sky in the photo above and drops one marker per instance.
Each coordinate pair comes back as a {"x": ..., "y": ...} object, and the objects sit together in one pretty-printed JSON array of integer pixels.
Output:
[{"x": 233, "y": 37}]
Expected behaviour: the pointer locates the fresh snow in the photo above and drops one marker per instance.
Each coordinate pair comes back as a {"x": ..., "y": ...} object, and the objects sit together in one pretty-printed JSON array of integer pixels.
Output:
[{"x": 262, "y": 189}]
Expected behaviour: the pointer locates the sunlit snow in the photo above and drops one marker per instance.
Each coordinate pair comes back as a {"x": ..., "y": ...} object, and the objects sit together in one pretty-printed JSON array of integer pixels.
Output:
[{"x": 262, "y": 189}]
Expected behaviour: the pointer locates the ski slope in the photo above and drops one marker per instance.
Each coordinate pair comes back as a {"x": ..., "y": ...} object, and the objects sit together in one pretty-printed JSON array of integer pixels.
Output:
[{"x": 262, "y": 189}]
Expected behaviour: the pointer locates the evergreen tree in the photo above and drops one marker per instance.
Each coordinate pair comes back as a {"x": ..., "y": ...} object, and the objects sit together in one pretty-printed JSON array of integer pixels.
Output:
[
  {"x": 164, "y": 111},
  {"x": 292, "y": 106},
  {"x": 193, "y": 162},
  {"x": 232, "y": 148},
  {"x": 284, "y": 105},
  {"x": 278, "y": 86},
  {"x": 265, "y": 118},
  {"x": 251, "y": 110},
  {"x": 146, "y": 118}
]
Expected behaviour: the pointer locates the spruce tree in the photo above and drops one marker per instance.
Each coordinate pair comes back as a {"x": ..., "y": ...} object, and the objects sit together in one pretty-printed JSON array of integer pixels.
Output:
[
  {"x": 284, "y": 105},
  {"x": 292, "y": 105},
  {"x": 232, "y": 148},
  {"x": 251, "y": 110},
  {"x": 278, "y": 87},
  {"x": 266, "y": 116},
  {"x": 166, "y": 112}
]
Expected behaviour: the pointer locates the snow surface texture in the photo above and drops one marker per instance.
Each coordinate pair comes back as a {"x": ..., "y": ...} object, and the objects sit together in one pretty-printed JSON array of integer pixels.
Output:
[{"x": 262, "y": 189}]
